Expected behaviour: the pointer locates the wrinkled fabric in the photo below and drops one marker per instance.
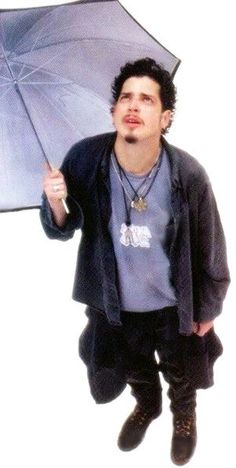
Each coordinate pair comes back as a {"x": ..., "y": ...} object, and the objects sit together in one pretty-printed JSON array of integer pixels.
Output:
[
  {"x": 197, "y": 245},
  {"x": 142, "y": 262},
  {"x": 115, "y": 356}
]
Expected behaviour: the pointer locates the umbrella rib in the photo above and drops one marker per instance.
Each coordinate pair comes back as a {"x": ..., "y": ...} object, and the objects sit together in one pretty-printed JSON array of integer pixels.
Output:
[
  {"x": 5, "y": 78},
  {"x": 44, "y": 27},
  {"x": 45, "y": 14},
  {"x": 2, "y": 32},
  {"x": 47, "y": 62},
  {"x": 45, "y": 71},
  {"x": 4, "y": 94},
  {"x": 44, "y": 83},
  {"x": 34, "y": 44},
  {"x": 75, "y": 41},
  {"x": 56, "y": 109},
  {"x": 64, "y": 83},
  {"x": 89, "y": 39},
  {"x": 59, "y": 30},
  {"x": 5, "y": 84},
  {"x": 66, "y": 120},
  {"x": 7, "y": 63}
]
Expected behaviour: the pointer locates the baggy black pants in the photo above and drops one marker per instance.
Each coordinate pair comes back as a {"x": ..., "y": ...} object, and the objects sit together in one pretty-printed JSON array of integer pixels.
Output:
[
  {"x": 151, "y": 344},
  {"x": 146, "y": 344}
]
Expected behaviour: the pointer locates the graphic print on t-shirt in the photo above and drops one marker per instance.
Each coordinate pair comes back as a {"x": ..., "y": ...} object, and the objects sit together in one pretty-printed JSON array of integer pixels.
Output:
[{"x": 135, "y": 236}]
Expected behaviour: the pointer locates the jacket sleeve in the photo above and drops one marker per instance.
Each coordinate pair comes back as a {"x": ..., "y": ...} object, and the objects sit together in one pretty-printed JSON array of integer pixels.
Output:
[
  {"x": 214, "y": 275},
  {"x": 75, "y": 217}
]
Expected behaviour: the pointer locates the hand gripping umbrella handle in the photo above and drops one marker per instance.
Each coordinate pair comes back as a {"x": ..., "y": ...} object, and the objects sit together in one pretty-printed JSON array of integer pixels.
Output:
[{"x": 62, "y": 200}]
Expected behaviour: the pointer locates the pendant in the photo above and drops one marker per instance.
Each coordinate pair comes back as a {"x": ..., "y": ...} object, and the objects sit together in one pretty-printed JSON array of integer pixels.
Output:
[
  {"x": 128, "y": 236},
  {"x": 139, "y": 205}
]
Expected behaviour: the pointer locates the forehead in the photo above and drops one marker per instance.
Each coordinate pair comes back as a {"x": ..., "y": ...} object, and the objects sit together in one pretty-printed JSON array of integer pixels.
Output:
[{"x": 140, "y": 84}]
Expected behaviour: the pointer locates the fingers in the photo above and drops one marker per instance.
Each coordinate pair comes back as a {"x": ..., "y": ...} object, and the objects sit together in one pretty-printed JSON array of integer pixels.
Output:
[
  {"x": 54, "y": 185},
  {"x": 202, "y": 328}
]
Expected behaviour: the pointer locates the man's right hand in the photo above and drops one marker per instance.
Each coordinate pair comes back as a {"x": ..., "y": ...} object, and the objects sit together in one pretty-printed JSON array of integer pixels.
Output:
[
  {"x": 55, "y": 189},
  {"x": 54, "y": 186}
]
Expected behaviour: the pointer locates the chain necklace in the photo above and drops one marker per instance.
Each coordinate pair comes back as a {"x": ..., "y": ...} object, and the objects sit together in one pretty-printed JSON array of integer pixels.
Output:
[
  {"x": 138, "y": 201},
  {"x": 120, "y": 179}
]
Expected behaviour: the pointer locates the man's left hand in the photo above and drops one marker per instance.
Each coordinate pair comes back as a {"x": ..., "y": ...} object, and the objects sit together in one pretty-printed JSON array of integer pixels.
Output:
[{"x": 202, "y": 328}]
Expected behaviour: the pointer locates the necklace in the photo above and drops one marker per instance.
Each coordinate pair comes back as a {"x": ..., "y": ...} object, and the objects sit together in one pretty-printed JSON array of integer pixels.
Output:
[{"x": 138, "y": 200}]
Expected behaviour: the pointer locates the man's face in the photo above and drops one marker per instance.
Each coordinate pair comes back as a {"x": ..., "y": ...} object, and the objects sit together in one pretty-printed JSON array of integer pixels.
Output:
[{"x": 138, "y": 114}]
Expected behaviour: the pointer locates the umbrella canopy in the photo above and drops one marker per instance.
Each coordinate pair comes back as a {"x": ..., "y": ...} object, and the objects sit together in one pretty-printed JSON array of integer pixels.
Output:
[{"x": 56, "y": 68}]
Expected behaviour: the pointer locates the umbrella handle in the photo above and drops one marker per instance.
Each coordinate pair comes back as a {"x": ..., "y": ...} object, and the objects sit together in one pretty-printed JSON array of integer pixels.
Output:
[{"x": 65, "y": 206}]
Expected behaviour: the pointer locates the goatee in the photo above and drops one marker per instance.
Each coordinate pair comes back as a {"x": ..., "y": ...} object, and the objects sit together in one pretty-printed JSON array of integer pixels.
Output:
[{"x": 131, "y": 139}]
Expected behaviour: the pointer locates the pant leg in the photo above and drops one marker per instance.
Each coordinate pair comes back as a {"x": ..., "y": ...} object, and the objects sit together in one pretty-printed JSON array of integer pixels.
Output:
[
  {"x": 141, "y": 366},
  {"x": 181, "y": 392},
  {"x": 146, "y": 387}
]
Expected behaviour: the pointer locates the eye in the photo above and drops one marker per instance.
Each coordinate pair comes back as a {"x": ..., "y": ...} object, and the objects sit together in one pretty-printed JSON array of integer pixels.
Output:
[
  {"x": 147, "y": 99},
  {"x": 124, "y": 97}
]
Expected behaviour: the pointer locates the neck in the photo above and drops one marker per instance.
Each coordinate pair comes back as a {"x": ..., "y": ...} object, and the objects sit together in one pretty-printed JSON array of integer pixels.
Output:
[{"x": 139, "y": 157}]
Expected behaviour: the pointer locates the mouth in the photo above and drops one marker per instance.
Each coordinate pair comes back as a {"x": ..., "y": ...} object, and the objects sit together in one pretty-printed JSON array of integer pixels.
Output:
[{"x": 132, "y": 122}]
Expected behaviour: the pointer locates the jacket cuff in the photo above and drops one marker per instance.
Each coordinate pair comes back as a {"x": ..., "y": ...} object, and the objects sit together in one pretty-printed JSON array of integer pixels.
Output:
[
  {"x": 206, "y": 315},
  {"x": 74, "y": 219}
]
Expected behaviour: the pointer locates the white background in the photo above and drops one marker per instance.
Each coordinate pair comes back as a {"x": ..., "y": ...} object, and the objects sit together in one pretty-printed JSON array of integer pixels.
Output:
[{"x": 47, "y": 416}]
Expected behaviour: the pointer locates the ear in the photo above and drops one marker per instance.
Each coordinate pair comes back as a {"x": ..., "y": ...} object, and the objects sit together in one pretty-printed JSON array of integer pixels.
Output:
[{"x": 166, "y": 118}]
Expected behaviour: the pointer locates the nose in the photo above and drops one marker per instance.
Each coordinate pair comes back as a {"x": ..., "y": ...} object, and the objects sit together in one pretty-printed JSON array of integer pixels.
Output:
[{"x": 133, "y": 104}]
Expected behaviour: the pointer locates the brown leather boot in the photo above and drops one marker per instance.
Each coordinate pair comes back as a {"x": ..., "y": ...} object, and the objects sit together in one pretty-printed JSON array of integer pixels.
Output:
[
  {"x": 184, "y": 438},
  {"x": 134, "y": 428}
]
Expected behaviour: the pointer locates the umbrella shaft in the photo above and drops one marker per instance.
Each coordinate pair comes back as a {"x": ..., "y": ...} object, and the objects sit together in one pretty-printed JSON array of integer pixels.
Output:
[{"x": 30, "y": 120}]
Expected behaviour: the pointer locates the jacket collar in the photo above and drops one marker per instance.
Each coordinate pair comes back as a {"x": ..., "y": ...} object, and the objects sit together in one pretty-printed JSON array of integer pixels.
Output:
[
  {"x": 108, "y": 147},
  {"x": 174, "y": 164},
  {"x": 171, "y": 153}
]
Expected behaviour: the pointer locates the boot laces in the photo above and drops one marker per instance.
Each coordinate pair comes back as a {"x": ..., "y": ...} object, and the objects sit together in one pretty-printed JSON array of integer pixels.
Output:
[
  {"x": 184, "y": 425},
  {"x": 139, "y": 416}
]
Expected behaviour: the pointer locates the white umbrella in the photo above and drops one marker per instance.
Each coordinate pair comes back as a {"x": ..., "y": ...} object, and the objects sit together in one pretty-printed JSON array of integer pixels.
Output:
[{"x": 56, "y": 68}]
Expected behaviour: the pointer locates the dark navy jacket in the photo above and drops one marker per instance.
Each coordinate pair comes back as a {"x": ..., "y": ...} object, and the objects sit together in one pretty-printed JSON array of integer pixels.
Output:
[{"x": 197, "y": 248}]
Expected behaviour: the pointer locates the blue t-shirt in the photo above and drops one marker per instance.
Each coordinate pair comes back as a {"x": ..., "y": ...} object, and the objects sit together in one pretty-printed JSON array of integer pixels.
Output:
[{"x": 141, "y": 252}]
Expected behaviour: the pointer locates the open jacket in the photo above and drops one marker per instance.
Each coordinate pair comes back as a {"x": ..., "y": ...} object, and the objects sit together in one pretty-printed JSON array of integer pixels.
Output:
[{"x": 197, "y": 249}]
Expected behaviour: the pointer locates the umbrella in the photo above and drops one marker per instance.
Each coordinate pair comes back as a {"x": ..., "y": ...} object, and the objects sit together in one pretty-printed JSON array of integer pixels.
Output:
[{"x": 56, "y": 68}]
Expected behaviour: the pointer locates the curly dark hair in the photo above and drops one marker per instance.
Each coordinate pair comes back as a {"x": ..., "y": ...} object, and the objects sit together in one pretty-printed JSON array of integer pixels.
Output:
[{"x": 148, "y": 67}]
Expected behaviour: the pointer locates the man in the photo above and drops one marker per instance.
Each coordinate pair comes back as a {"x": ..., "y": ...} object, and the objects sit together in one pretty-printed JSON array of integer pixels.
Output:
[{"x": 152, "y": 264}]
